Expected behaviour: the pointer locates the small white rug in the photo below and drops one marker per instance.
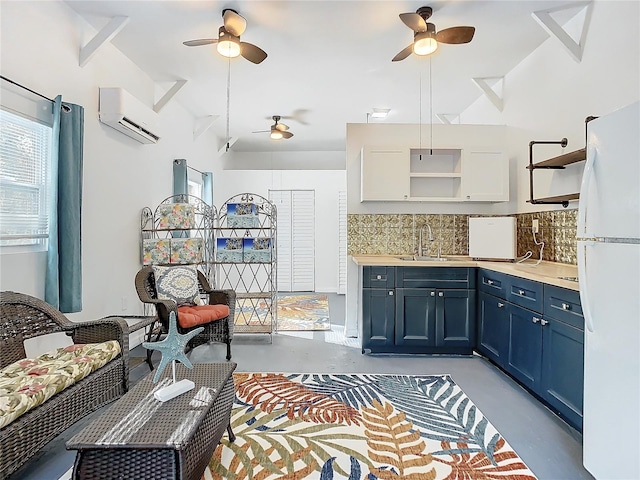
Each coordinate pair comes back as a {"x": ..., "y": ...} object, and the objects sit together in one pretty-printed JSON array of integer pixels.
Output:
[{"x": 336, "y": 335}]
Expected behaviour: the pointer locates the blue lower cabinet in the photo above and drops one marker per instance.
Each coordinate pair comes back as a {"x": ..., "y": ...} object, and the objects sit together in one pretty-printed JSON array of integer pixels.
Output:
[
  {"x": 415, "y": 317},
  {"x": 455, "y": 318},
  {"x": 562, "y": 381},
  {"x": 378, "y": 319},
  {"x": 524, "y": 359},
  {"x": 493, "y": 328}
]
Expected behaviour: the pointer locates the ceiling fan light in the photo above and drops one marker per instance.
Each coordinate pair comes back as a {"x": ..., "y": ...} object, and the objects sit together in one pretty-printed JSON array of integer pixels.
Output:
[
  {"x": 425, "y": 45},
  {"x": 276, "y": 134},
  {"x": 228, "y": 45}
]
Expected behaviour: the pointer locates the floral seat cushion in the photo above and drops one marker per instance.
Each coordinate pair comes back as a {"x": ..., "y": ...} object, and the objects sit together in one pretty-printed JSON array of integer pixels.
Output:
[{"x": 28, "y": 383}]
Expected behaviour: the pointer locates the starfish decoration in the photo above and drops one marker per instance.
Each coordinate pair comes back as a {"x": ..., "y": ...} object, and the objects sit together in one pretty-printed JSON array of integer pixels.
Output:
[{"x": 172, "y": 347}]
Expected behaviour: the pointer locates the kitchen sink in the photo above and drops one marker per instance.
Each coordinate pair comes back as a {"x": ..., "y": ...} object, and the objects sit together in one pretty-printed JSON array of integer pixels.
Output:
[
  {"x": 571, "y": 279},
  {"x": 416, "y": 258}
]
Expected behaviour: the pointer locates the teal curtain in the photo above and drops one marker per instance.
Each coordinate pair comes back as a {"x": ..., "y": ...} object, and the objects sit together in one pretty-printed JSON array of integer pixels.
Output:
[
  {"x": 63, "y": 280},
  {"x": 207, "y": 188},
  {"x": 180, "y": 184}
]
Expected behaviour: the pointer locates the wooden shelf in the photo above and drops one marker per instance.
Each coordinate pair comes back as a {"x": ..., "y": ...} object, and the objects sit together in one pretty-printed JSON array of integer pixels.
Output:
[
  {"x": 435, "y": 175},
  {"x": 562, "y": 160}
]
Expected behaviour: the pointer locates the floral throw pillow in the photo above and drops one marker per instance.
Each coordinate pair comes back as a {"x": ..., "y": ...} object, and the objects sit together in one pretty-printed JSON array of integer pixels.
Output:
[{"x": 177, "y": 283}]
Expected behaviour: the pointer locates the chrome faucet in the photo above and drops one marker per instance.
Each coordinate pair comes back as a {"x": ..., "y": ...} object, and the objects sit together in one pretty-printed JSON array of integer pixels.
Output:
[{"x": 427, "y": 226}]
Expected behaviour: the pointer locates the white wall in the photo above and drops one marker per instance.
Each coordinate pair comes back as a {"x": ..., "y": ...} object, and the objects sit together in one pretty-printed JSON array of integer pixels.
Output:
[
  {"x": 40, "y": 46},
  {"x": 325, "y": 183},
  {"x": 548, "y": 96}
]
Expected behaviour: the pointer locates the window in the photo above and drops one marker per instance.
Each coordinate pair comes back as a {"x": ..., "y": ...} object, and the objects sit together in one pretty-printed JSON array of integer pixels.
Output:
[
  {"x": 194, "y": 188},
  {"x": 25, "y": 153}
]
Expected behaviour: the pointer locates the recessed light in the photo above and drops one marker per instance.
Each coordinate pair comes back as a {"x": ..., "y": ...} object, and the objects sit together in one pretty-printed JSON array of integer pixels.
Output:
[{"x": 380, "y": 112}]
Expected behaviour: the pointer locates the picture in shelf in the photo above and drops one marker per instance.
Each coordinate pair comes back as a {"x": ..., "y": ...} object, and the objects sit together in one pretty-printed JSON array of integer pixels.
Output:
[
  {"x": 186, "y": 250},
  {"x": 155, "y": 251},
  {"x": 256, "y": 249},
  {"x": 175, "y": 215},
  {"x": 229, "y": 249},
  {"x": 242, "y": 215}
]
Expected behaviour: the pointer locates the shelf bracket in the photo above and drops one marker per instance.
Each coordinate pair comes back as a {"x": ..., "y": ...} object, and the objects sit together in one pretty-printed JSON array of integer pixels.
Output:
[
  {"x": 553, "y": 28},
  {"x": 203, "y": 124},
  {"x": 169, "y": 95},
  {"x": 563, "y": 143},
  {"x": 448, "y": 118},
  {"x": 109, "y": 31},
  {"x": 490, "y": 92}
]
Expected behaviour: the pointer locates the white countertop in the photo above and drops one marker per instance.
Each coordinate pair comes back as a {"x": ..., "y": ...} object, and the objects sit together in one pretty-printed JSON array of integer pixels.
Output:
[{"x": 545, "y": 272}]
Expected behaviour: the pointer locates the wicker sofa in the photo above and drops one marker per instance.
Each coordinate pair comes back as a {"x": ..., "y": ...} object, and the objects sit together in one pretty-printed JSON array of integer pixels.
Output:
[{"x": 23, "y": 317}]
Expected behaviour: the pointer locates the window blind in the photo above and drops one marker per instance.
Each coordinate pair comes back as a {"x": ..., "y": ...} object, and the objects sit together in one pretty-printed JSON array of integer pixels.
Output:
[{"x": 25, "y": 151}]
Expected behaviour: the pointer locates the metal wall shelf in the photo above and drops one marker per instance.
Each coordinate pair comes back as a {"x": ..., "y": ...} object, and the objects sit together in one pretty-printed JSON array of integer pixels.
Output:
[{"x": 555, "y": 163}]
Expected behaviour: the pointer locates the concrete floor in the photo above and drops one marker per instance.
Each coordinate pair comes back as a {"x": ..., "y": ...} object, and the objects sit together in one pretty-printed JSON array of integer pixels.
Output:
[{"x": 550, "y": 448}]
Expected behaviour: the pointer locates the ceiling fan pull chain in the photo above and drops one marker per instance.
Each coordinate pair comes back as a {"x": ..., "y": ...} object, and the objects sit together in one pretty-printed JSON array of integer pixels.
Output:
[
  {"x": 430, "y": 110},
  {"x": 228, "y": 97},
  {"x": 420, "y": 115}
]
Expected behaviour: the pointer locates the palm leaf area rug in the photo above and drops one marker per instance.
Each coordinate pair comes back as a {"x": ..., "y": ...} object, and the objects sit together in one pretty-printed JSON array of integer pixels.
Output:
[
  {"x": 309, "y": 312},
  {"x": 360, "y": 427}
]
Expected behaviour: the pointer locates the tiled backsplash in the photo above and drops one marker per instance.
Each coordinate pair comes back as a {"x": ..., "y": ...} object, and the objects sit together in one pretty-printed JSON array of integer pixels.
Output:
[{"x": 397, "y": 234}]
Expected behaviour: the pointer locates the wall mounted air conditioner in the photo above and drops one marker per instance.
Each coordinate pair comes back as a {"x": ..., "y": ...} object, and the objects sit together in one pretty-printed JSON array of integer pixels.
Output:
[{"x": 124, "y": 112}]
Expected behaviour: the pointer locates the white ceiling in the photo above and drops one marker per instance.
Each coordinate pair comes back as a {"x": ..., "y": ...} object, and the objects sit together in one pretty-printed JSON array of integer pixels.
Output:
[{"x": 329, "y": 62}]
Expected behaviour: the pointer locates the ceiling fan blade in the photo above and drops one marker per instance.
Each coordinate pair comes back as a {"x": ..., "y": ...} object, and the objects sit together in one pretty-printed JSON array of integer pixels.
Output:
[
  {"x": 261, "y": 131},
  {"x": 287, "y": 134},
  {"x": 455, "y": 35},
  {"x": 252, "y": 53},
  {"x": 414, "y": 21},
  {"x": 234, "y": 23},
  {"x": 202, "y": 41},
  {"x": 282, "y": 127},
  {"x": 403, "y": 54}
]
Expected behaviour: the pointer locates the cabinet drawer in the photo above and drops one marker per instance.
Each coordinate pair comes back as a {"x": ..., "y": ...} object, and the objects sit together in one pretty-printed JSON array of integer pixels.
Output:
[
  {"x": 563, "y": 304},
  {"x": 492, "y": 282},
  {"x": 526, "y": 293},
  {"x": 435, "y": 277},
  {"x": 378, "y": 277}
]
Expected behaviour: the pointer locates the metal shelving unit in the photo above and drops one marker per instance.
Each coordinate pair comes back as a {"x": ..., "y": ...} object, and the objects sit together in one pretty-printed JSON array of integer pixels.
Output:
[
  {"x": 255, "y": 282},
  {"x": 203, "y": 228},
  {"x": 555, "y": 163}
]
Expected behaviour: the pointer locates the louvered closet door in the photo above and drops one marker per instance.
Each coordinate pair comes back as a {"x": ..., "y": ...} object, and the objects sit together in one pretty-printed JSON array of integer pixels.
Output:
[
  {"x": 296, "y": 237},
  {"x": 342, "y": 243},
  {"x": 282, "y": 200}
]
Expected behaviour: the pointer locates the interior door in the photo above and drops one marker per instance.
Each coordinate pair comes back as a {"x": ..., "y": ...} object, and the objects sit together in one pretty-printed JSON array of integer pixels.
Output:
[{"x": 296, "y": 239}]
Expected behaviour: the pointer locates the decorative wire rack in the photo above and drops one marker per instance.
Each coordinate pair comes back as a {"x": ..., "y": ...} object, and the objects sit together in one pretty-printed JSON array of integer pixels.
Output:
[{"x": 247, "y": 222}]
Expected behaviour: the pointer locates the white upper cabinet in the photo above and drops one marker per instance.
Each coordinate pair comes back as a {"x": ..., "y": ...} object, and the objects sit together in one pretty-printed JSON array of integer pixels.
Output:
[
  {"x": 391, "y": 173},
  {"x": 385, "y": 173},
  {"x": 466, "y": 164},
  {"x": 486, "y": 175}
]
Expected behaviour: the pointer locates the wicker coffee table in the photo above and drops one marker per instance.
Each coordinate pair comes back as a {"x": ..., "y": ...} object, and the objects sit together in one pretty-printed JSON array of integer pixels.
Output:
[{"x": 139, "y": 437}]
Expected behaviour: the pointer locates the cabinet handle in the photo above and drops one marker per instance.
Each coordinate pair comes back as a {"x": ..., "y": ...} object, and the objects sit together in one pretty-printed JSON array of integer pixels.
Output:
[
  {"x": 521, "y": 292},
  {"x": 489, "y": 282},
  {"x": 440, "y": 294},
  {"x": 500, "y": 305},
  {"x": 536, "y": 319},
  {"x": 390, "y": 292},
  {"x": 379, "y": 277},
  {"x": 543, "y": 322},
  {"x": 566, "y": 306},
  {"x": 433, "y": 294}
]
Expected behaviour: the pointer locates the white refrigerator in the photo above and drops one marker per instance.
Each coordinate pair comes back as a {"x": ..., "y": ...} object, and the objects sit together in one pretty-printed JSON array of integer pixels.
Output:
[{"x": 609, "y": 273}]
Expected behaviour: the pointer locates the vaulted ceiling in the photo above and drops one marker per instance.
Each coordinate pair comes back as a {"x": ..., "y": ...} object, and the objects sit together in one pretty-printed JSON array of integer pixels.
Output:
[{"x": 329, "y": 62}]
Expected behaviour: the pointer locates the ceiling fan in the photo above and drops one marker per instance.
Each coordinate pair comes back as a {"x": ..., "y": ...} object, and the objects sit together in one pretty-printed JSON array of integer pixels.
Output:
[
  {"x": 278, "y": 130},
  {"x": 229, "y": 44},
  {"x": 425, "y": 37}
]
